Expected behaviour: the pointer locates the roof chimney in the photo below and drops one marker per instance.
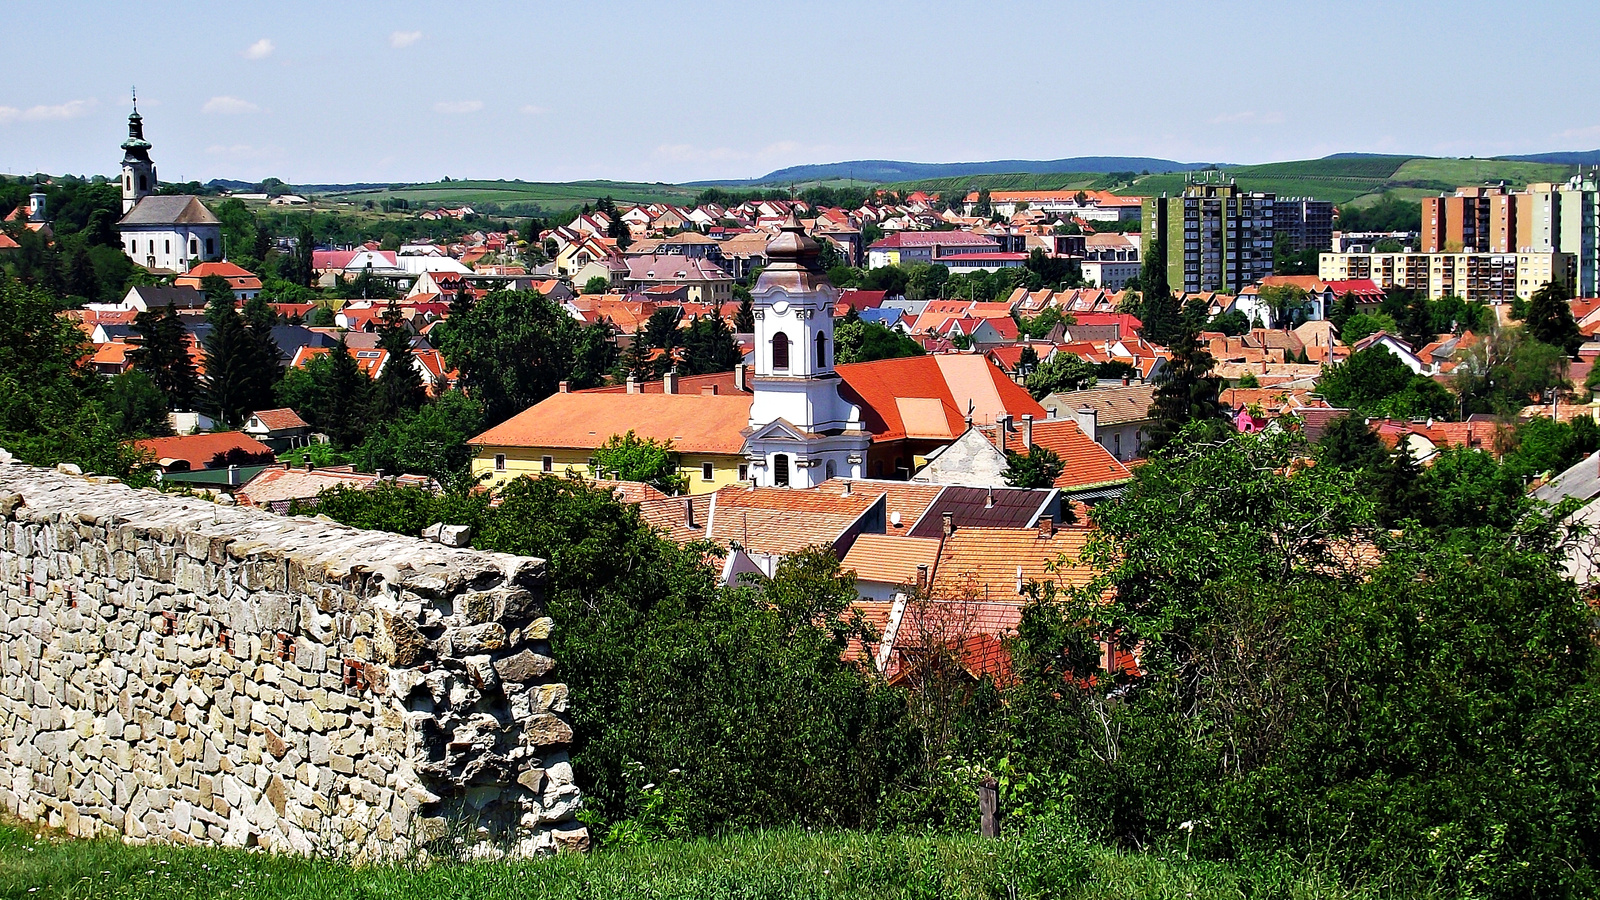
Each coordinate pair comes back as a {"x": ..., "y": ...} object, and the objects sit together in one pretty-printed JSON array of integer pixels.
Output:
[
  {"x": 1126, "y": 381},
  {"x": 949, "y": 524},
  {"x": 561, "y": 388},
  {"x": 669, "y": 381},
  {"x": 1047, "y": 527},
  {"x": 847, "y": 487},
  {"x": 922, "y": 575},
  {"x": 1005, "y": 428},
  {"x": 233, "y": 475},
  {"x": 378, "y": 475},
  {"x": 1027, "y": 430},
  {"x": 709, "y": 390},
  {"x": 633, "y": 385},
  {"x": 309, "y": 466},
  {"x": 688, "y": 512},
  {"x": 741, "y": 378},
  {"x": 988, "y": 499}
]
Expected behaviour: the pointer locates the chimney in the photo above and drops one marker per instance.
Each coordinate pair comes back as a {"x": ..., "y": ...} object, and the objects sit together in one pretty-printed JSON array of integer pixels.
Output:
[
  {"x": 309, "y": 466},
  {"x": 1005, "y": 428},
  {"x": 922, "y": 575},
  {"x": 949, "y": 524},
  {"x": 709, "y": 390},
  {"x": 633, "y": 385},
  {"x": 1126, "y": 381},
  {"x": 688, "y": 512},
  {"x": 1027, "y": 430},
  {"x": 1047, "y": 527},
  {"x": 669, "y": 381},
  {"x": 741, "y": 378},
  {"x": 988, "y": 499},
  {"x": 378, "y": 474},
  {"x": 847, "y": 487},
  {"x": 233, "y": 475},
  {"x": 561, "y": 388}
]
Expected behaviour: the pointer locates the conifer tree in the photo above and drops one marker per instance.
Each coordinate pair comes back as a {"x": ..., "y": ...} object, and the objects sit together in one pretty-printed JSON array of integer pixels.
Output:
[
  {"x": 1550, "y": 318},
  {"x": 1186, "y": 391},
  {"x": 345, "y": 398},
  {"x": 162, "y": 353},
  {"x": 636, "y": 359},
  {"x": 399, "y": 387},
  {"x": 239, "y": 374}
]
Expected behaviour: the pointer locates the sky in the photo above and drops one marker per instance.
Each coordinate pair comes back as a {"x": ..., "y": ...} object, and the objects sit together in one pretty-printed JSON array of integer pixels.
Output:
[{"x": 635, "y": 91}]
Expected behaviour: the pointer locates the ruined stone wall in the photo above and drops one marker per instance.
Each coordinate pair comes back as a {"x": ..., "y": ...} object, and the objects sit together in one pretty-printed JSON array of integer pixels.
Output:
[{"x": 174, "y": 670}]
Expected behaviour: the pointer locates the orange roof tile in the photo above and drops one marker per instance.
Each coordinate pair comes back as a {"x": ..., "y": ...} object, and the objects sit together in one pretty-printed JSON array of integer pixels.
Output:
[
  {"x": 986, "y": 564},
  {"x": 694, "y": 423},
  {"x": 198, "y": 449},
  {"x": 1084, "y": 463},
  {"x": 782, "y": 521},
  {"x": 939, "y": 389},
  {"x": 909, "y": 499},
  {"x": 890, "y": 558}
]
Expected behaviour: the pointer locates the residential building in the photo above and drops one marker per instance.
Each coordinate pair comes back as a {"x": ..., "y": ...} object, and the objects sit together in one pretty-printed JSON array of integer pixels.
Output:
[
  {"x": 210, "y": 450},
  {"x": 162, "y": 233},
  {"x": 906, "y": 248},
  {"x": 1493, "y": 278},
  {"x": 1215, "y": 236},
  {"x": 1114, "y": 416},
  {"x": 1301, "y": 223},
  {"x": 245, "y": 284},
  {"x": 1090, "y": 206},
  {"x": 707, "y": 282},
  {"x": 281, "y": 429},
  {"x": 1544, "y": 218}
]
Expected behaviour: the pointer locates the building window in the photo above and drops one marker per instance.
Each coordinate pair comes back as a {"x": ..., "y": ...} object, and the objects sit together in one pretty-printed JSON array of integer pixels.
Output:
[
  {"x": 1116, "y": 441},
  {"x": 143, "y": 184},
  {"x": 744, "y": 471},
  {"x": 211, "y": 246},
  {"x": 780, "y": 351},
  {"x": 194, "y": 247},
  {"x": 127, "y": 182},
  {"x": 166, "y": 247},
  {"x": 832, "y": 470},
  {"x": 499, "y": 462},
  {"x": 707, "y": 473},
  {"x": 547, "y": 464},
  {"x": 822, "y": 351},
  {"x": 780, "y": 469}
]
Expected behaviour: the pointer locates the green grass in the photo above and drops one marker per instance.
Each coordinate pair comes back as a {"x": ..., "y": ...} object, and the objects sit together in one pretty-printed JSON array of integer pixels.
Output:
[
  {"x": 1363, "y": 180},
  {"x": 547, "y": 194},
  {"x": 784, "y": 864}
]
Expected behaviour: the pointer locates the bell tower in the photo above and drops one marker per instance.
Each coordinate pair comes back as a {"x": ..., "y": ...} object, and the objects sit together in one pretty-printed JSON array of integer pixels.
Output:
[
  {"x": 802, "y": 432},
  {"x": 138, "y": 172}
]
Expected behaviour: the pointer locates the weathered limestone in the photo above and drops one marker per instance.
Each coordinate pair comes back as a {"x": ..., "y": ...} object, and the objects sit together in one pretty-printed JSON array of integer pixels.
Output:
[{"x": 173, "y": 670}]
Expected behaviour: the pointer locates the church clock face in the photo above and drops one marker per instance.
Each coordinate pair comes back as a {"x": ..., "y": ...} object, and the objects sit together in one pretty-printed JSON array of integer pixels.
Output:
[{"x": 780, "y": 307}]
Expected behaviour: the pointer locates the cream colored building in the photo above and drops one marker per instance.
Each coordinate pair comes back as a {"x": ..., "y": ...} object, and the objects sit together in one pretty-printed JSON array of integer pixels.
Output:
[{"x": 1493, "y": 278}]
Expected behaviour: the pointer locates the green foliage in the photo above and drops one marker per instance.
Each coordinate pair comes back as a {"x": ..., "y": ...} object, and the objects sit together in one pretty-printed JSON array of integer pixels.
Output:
[
  {"x": 514, "y": 348},
  {"x": 1248, "y": 380},
  {"x": 1374, "y": 382},
  {"x": 398, "y": 389},
  {"x": 1231, "y": 323},
  {"x": 1041, "y": 325},
  {"x": 1362, "y": 325},
  {"x": 1550, "y": 321},
  {"x": 241, "y": 363},
  {"x": 709, "y": 346},
  {"x": 1508, "y": 370},
  {"x": 162, "y": 354},
  {"x": 135, "y": 406},
  {"x": 1038, "y": 468},
  {"x": 599, "y": 284},
  {"x": 1061, "y": 372},
  {"x": 331, "y": 393},
  {"x": 1390, "y": 213},
  {"x": 430, "y": 440},
  {"x": 631, "y": 458},
  {"x": 1539, "y": 445},
  {"x": 1186, "y": 391},
  {"x": 858, "y": 341}
]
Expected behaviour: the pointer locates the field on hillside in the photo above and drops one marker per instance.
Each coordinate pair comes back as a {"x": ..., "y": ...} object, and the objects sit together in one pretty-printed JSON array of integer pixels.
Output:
[
  {"x": 784, "y": 865},
  {"x": 1362, "y": 180},
  {"x": 550, "y": 195},
  {"x": 1057, "y": 181}
]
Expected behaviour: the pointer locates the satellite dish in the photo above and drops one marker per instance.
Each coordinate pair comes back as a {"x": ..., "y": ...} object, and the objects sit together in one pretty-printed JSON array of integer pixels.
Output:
[{"x": 894, "y": 518}]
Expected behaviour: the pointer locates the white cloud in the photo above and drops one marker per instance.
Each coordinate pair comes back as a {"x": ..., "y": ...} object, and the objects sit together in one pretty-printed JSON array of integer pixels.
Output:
[
  {"x": 260, "y": 49},
  {"x": 72, "y": 109},
  {"x": 457, "y": 107},
  {"x": 229, "y": 106},
  {"x": 1581, "y": 134},
  {"x": 404, "y": 38},
  {"x": 531, "y": 110},
  {"x": 1249, "y": 117}
]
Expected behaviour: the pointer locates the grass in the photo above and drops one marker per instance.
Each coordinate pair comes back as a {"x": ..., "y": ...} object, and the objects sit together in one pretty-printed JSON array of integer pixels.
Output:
[
  {"x": 778, "y": 865},
  {"x": 1363, "y": 180}
]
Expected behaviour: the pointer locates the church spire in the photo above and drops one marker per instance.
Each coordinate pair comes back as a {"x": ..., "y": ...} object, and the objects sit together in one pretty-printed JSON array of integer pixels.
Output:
[{"x": 138, "y": 149}]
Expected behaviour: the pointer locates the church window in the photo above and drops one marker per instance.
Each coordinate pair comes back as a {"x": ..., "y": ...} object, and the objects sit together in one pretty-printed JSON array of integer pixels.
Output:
[
  {"x": 127, "y": 182},
  {"x": 822, "y": 351},
  {"x": 832, "y": 470},
  {"x": 780, "y": 469},
  {"x": 194, "y": 247},
  {"x": 211, "y": 246},
  {"x": 144, "y": 185},
  {"x": 780, "y": 351}
]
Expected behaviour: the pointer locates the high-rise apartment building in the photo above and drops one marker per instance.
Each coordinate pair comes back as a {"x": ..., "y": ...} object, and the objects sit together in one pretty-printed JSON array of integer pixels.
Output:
[
  {"x": 1545, "y": 218},
  {"x": 1302, "y": 223},
  {"x": 1217, "y": 237}
]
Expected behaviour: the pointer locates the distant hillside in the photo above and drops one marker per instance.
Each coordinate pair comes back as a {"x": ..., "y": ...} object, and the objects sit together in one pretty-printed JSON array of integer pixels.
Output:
[
  {"x": 517, "y": 197},
  {"x": 1359, "y": 179},
  {"x": 1574, "y": 158},
  {"x": 890, "y": 171}
]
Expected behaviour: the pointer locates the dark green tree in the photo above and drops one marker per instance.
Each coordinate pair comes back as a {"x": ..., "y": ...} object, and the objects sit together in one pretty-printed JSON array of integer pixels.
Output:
[
  {"x": 629, "y": 457},
  {"x": 744, "y": 322},
  {"x": 1550, "y": 319},
  {"x": 162, "y": 353},
  {"x": 398, "y": 388},
  {"x": 1061, "y": 372},
  {"x": 1186, "y": 391},
  {"x": 1038, "y": 468},
  {"x": 240, "y": 376}
]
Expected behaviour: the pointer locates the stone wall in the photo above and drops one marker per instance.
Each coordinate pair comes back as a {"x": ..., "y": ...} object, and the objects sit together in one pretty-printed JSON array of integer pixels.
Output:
[{"x": 174, "y": 670}]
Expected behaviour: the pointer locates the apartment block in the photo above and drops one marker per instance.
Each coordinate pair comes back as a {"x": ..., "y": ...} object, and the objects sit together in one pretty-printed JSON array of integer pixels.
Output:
[
  {"x": 1493, "y": 278},
  {"x": 1303, "y": 223},
  {"x": 1545, "y": 218},
  {"x": 1217, "y": 237}
]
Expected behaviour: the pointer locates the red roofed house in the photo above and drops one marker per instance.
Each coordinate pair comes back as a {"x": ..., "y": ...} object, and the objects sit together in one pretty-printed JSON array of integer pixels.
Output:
[
  {"x": 192, "y": 452},
  {"x": 245, "y": 284}
]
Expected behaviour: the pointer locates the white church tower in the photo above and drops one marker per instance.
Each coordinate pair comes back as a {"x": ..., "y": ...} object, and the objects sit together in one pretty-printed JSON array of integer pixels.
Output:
[
  {"x": 802, "y": 432},
  {"x": 138, "y": 172}
]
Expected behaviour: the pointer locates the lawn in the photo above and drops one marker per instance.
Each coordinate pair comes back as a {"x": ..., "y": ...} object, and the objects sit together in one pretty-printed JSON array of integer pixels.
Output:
[{"x": 783, "y": 864}]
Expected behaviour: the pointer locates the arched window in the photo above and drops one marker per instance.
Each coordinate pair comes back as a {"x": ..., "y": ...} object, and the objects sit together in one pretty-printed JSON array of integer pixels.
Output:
[
  {"x": 822, "y": 351},
  {"x": 780, "y": 469},
  {"x": 832, "y": 470},
  {"x": 127, "y": 182},
  {"x": 143, "y": 184},
  {"x": 780, "y": 352}
]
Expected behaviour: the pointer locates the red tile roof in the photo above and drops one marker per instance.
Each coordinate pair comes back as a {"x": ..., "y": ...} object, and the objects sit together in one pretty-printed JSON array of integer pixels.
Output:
[
  {"x": 198, "y": 449},
  {"x": 280, "y": 419},
  {"x": 1084, "y": 463},
  {"x": 694, "y": 423},
  {"x": 988, "y": 563},
  {"x": 784, "y": 521},
  {"x": 928, "y": 396},
  {"x": 892, "y": 559}
]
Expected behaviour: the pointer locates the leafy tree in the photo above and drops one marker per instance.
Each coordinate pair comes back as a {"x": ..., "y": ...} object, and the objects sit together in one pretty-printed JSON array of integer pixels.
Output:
[
  {"x": 1363, "y": 325},
  {"x": 1038, "y": 468},
  {"x": 1186, "y": 391},
  {"x": 1248, "y": 380},
  {"x": 1046, "y": 271},
  {"x": 599, "y": 284},
  {"x": 1061, "y": 372},
  {"x": 1288, "y": 303},
  {"x": 708, "y": 346},
  {"x": 1039, "y": 326},
  {"x": 398, "y": 389},
  {"x": 924, "y": 282},
  {"x": 514, "y": 348},
  {"x": 134, "y": 405},
  {"x": 1390, "y": 213},
  {"x": 1343, "y": 311},
  {"x": 216, "y": 289},
  {"x": 983, "y": 208},
  {"x": 1507, "y": 370},
  {"x": 430, "y": 440},
  {"x": 1231, "y": 323},
  {"x": 1375, "y": 382},
  {"x": 162, "y": 354},
  {"x": 889, "y": 279},
  {"x": 1539, "y": 445},
  {"x": 859, "y": 341},
  {"x": 631, "y": 458},
  {"x": 1416, "y": 326},
  {"x": 1550, "y": 319},
  {"x": 1350, "y": 444}
]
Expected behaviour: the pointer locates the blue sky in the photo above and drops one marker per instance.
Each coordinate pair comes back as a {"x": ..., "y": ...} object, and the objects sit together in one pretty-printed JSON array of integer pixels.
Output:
[{"x": 325, "y": 92}]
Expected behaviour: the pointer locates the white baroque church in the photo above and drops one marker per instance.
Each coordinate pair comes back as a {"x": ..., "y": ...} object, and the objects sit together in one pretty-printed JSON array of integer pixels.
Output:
[
  {"x": 802, "y": 432},
  {"x": 165, "y": 233}
]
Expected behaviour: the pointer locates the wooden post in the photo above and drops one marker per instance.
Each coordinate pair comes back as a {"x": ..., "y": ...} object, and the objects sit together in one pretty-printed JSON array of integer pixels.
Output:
[{"x": 988, "y": 803}]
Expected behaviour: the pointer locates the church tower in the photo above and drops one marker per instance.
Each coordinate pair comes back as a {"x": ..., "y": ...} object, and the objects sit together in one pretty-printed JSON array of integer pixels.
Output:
[
  {"x": 802, "y": 432},
  {"x": 138, "y": 172}
]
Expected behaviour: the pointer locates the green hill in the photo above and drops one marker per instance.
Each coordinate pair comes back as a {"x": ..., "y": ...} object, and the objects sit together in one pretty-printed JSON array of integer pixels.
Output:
[{"x": 547, "y": 195}]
